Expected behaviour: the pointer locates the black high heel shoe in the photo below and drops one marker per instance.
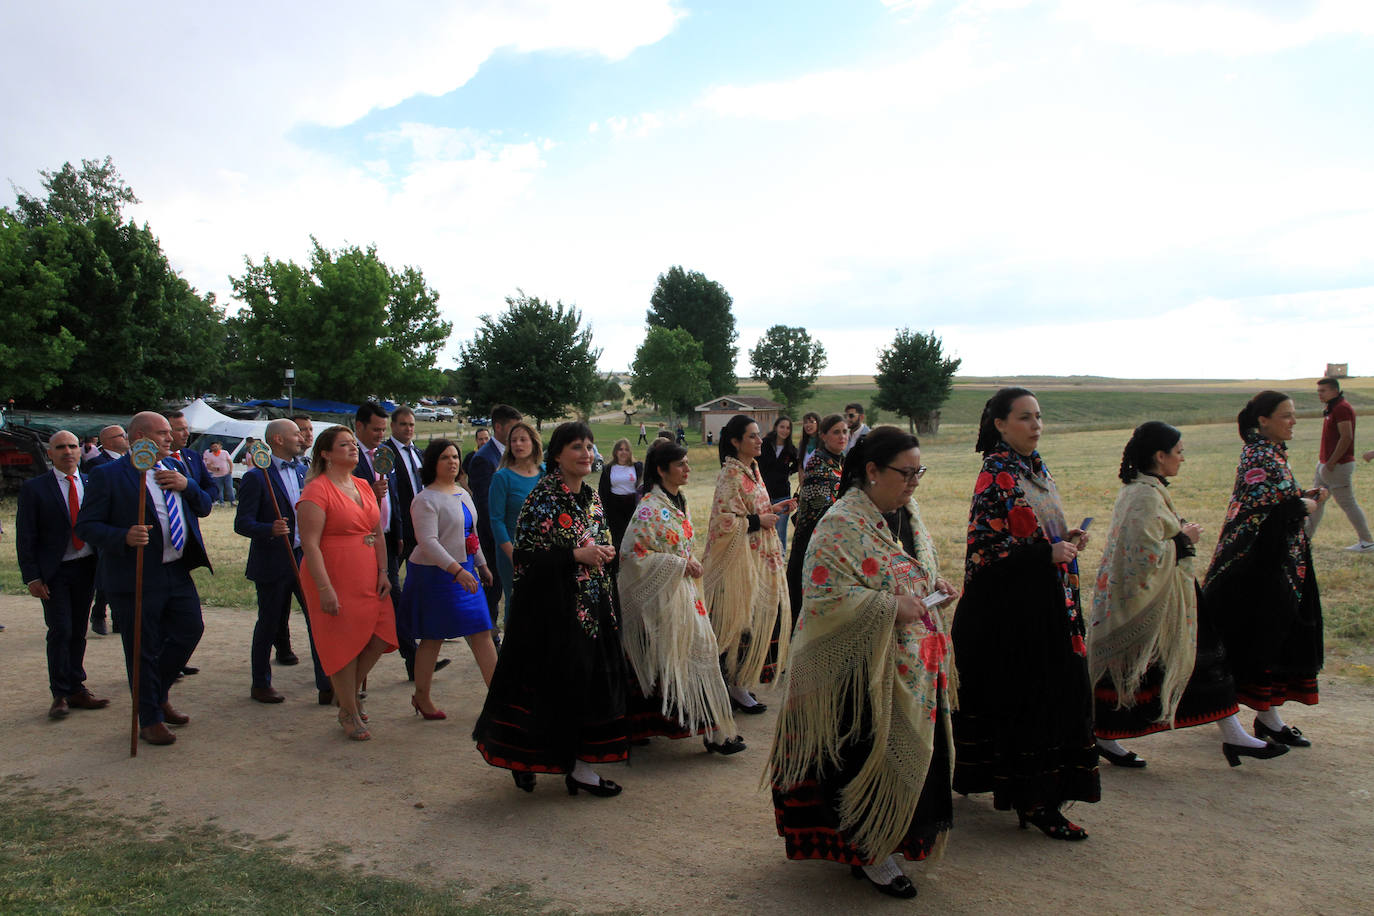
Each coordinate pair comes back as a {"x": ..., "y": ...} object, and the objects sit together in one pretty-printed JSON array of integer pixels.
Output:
[
  {"x": 1051, "y": 823},
  {"x": 603, "y": 789},
  {"x": 757, "y": 709},
  {"x": 523, "y": 781},
  {"x": 1287, "y": 735},
  {"x": 1131, "y": 760},
  {"x": 725, "y": 748},
  {"x": 899, "y": 886},
  {"x": 1233, "y": 752}
]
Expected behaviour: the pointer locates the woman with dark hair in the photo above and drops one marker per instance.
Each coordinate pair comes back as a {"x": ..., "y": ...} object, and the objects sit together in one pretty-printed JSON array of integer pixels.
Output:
[
  {"x": 1024, "y": 722},
  {"x": 820, "y": 486},
  {"x": 441, "y": 599},
  {"x": 1153, "y": 654},
  {"x": 664, "y": 626},
  {"x": 1261, "y": 584},
  {"x": 344, "y": 574},
  {"x": 618, "y": 488},
  {"x": 861, "y": 758},
  {"x": 777, "y": 463},
  {"x": 557, "y": 698},
  {"x": 743, "y": 575},
  {"x": 515, "y": 477},
  {"x": 809, "y": 442}
]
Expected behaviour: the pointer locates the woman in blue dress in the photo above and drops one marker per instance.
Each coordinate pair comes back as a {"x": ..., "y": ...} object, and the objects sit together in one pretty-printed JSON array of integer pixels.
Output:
[
  {"x": 520, "y": 470},
  {"x": 441, "y": 599}
]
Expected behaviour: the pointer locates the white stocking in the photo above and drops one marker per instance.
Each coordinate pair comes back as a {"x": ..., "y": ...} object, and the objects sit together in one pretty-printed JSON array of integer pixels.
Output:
[
  {"x": 583, "y": 773},
  {"x": 1233, "y": 733},
  {"x": 1271, "y": 718},
  {"x": 743, "y": 697},
  {"x": 1110, "y": 746},
  {"x": 883, "y": 872}
]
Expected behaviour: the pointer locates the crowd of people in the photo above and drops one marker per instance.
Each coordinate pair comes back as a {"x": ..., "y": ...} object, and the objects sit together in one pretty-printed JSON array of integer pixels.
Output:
[{"x": 614, "y": 632}]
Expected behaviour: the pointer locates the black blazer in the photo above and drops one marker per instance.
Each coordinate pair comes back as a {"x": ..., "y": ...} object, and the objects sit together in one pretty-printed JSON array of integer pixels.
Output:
[
  {"x": 405, "y": 490},
  {"x": 364, "y": 471},
  {"x": 777, "y": 470},
  {"x": 43, "y": 528},
  {"x": 268, "y": 560}
]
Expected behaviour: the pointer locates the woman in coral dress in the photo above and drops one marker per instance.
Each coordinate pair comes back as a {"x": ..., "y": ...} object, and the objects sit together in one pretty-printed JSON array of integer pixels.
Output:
[{"x": 343, "y": 574}]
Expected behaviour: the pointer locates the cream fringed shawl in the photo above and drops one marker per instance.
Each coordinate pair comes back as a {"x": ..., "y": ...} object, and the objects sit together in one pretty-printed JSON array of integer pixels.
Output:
[
  {"x": 848, "y": 653},
  {"x": 744, "y": 575},
  {"x": 1145, "y": 603},
  {"x": 664, "y": 626}
]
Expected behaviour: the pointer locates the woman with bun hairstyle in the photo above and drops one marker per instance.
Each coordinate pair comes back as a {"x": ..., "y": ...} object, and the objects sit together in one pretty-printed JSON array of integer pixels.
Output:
[
  {"x": 1023, "y": 728},
  {"x": 860, "y": 767},
  {"x": 1153, "y": 654},
  {"x": 1261, "y": 583}
]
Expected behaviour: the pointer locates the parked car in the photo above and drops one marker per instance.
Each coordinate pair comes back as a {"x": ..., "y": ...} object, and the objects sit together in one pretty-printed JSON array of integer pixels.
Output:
[
  {"x": 425, "y": 413},
  {"x": 443, "y": 413},
  {"x": 449, "y": 401},
  {"x": 479, "y": 421},
  {"x": 23, "y": 454}
]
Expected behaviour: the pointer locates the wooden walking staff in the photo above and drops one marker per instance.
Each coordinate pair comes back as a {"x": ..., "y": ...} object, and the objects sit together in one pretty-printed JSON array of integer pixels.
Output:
[
  {"x": 262, "y": 459},
  {"x": 144, "y": 456}
]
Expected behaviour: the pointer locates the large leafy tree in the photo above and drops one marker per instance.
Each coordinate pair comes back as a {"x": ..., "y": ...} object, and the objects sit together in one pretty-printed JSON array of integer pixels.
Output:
[
  {"x": 36, "y": 348},
  {"x": 789, "y": 361},
  {"x": 914, "y": 378},
  {"x": 687, "y": 299},
  {"x": 352, "y": 327},
  {"x": 535, "y": 356},
  {"x": 81, "y": 273},
  {"x": 670, "y": 371}
]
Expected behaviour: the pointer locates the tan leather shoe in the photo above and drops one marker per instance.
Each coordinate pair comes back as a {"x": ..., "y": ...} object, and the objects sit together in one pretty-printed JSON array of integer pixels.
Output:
[
  {"x": 58, "y": 709},
  {"x": 172, "y": 717},
  {"x": 157, "y": 734},
  {"x": 86, "y": 700},
  {"x": 266, "y": 695}
]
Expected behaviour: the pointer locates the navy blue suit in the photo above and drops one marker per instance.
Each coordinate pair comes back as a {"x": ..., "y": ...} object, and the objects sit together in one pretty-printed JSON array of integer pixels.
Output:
[
  {"x": 43, "y": 534},
  {"x": 395, "y": 547},
  {"x": 480, "y": 472},
  {"x": 172, "y": 623},
  {"x": 269, "y": 565},
  {"x": 195, "y": 467}
]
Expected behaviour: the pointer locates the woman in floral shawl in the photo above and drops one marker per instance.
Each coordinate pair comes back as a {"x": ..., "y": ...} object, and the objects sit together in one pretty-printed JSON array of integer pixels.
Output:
[
  {"x": 1023, "y": 728},
  {"x": 820, "y": 486},
  {"x": 665, "y": 629},
  {"x": 1261, "y": 579},
  {"x": 743, "y": 575},
  {"x": 557, "y": 698},
  {"x": 860, "y": 767},
  {"x": 1153, "y": 653}
]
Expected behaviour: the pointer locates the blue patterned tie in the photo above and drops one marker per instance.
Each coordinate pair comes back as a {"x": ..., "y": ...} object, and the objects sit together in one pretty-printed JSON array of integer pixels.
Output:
[{"x": 174, "y": 527}]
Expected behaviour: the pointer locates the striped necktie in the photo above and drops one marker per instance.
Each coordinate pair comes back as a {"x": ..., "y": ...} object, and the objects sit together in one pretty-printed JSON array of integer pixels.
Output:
[{"x": 174, "y": 526}]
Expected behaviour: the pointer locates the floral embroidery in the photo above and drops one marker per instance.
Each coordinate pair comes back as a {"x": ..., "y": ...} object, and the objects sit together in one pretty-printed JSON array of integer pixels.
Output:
[
  {"x": 869, "y": 566},
  {"x": 564, "y": 520},
  {"x": 1255, "y": 475},
  {"x": 819, "y": 575},
  {"x": 581, "y": 522},
  {"x": 819, "y": 489}
]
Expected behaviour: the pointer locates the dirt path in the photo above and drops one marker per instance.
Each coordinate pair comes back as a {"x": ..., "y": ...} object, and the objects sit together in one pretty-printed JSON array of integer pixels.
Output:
[{"x": 692, "y": 833}]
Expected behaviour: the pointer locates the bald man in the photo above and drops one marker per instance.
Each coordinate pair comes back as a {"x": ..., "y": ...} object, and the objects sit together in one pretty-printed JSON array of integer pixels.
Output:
[
  {"x": 59, "y": 570},
  {"x": 172, "y": 547}
]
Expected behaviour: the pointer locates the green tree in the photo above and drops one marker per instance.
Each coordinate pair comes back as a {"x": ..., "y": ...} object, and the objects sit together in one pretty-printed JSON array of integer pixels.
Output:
[
  {"x": 914, "y": 378},
  {"x": 535, "y": 356},
  {"x": 352, "y": 327},
  {"x": 85, "y": 275},
  {"x": 611, "y": 390},
  {"x": 670, "y": 371},
  {"x": 701, "y": 307},
  {"x": 789, "y": 361},
  {"x": 36, "y": 348}
]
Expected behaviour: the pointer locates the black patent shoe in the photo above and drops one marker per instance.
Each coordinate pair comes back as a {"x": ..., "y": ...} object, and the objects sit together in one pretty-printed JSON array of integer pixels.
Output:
[
  {"x": 603, "y": 789},
  {"x": 1131, "y": 760},
  {"x": 1233, "y": 752},
  {"x": 899, "y": 886},
  {"x": 1051, "y": 823},
  {"x": 523, "y": 781},
  {"x": 757, "y": 709},
  {"x": 725, "y": 748},
  {"x": 1287, "y": 735}
]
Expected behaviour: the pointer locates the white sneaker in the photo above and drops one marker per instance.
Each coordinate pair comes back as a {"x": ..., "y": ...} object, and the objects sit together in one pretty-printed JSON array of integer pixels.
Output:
[{"x": 1361, "y": 547}]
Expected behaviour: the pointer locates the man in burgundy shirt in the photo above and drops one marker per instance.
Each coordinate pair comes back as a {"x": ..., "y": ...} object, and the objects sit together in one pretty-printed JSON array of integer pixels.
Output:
[{"x": 1336, "y": 463}]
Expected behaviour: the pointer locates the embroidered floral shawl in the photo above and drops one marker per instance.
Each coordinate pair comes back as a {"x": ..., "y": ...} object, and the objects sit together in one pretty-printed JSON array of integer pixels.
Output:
[
  {"x": 1145, "y": 598},
  {"x": 848, "y": 653},
  {"x": 555, "y": 518},
  {"x": 664, "y": 625},
  {"x": 744, "y": 575},
  {"x": 1264, "y": 482},
  {"x": 1015, "y": 505}
]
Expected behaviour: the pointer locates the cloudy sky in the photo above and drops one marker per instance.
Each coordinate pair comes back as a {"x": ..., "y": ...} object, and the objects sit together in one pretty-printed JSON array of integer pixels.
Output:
[{"x": 1170, "y": 189}]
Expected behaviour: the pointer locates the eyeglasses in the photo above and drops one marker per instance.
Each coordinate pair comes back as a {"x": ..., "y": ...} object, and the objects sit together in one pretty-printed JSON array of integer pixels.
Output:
[{"x": 909, "y": 474}]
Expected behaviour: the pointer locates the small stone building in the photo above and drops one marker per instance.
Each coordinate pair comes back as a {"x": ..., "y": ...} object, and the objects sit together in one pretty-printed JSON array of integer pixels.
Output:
[{"x": 718, "y": 411}]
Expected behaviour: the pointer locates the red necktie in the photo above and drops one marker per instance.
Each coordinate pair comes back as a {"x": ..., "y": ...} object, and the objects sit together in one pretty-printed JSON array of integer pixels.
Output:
[
  {"x": 177, "y": 454},
  {"x": 73, "y": 506}
]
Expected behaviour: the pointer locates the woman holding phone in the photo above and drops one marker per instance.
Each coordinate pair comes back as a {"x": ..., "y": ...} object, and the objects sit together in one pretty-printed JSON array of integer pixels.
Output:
[
  {"x": 743, "y": 574},
  {"x": 1024, "y": 722}
]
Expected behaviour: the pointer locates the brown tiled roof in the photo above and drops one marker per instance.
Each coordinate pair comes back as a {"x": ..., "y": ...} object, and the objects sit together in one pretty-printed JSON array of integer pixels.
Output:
[{"x": 745, "y": 402}]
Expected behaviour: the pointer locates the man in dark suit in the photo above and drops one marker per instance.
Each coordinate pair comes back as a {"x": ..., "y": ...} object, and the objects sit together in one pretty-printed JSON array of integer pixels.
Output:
[
  {"x": 59, "y": 570},
  {"x": 193, "y": 466},
  {"x": 484, "y": 465},
  {"x": 172, "y": 547},
  {"x": 114, "y": 443},
  {"x": 273, "y": 539}
]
